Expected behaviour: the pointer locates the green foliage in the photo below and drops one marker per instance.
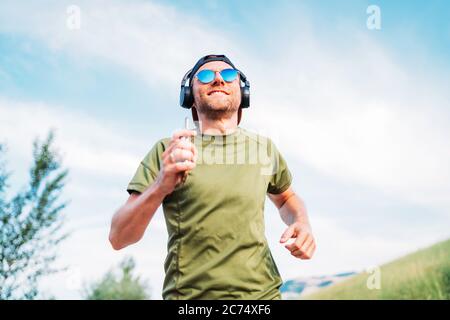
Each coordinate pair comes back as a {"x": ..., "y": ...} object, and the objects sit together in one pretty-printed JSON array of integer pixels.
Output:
[
  {"x": 125, "y": 287},
  {"x": 445, "y": 280},
  {"x": 424, "y": 274},
  {"x": 30, "y": 223}
]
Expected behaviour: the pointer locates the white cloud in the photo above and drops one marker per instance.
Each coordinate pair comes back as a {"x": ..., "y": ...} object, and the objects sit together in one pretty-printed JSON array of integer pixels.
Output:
[
  {"x": 358, "y": 118},
  {"x": 154, "y": 41},
  {"x": 88, "y": 144}
]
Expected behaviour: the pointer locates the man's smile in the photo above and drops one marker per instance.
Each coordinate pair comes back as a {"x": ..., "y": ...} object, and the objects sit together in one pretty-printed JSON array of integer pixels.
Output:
[{"x": 217, "y": 91}]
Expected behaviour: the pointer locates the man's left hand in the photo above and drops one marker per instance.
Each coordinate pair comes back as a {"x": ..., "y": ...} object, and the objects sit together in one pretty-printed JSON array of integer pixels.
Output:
[{"x": 304, "y": 245}]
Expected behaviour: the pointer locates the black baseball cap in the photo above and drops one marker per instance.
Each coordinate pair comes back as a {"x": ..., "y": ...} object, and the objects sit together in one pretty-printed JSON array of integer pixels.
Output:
[{"x": 209, "y": 58}]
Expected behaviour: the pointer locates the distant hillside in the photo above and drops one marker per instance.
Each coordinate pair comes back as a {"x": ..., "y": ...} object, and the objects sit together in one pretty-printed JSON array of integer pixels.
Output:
[
  {"x": 295, "y": 288},
  {"x": 424, "y": 274}
]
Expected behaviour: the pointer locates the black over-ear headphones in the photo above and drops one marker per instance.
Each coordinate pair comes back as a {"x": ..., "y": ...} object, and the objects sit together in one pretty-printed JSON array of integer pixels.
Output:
[{"x": 186, "y": 94}]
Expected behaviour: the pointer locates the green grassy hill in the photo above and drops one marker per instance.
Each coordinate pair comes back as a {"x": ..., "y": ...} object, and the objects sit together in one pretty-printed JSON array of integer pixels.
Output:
[{"x": 424, "y": 274}]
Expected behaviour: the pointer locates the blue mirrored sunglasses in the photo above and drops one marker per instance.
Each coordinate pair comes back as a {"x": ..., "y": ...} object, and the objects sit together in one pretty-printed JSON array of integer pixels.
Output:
[{"x": 206, "y": 75}]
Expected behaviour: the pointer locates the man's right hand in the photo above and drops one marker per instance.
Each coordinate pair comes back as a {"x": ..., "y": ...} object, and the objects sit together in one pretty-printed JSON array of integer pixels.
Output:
[{"x": 180, "y": 156}]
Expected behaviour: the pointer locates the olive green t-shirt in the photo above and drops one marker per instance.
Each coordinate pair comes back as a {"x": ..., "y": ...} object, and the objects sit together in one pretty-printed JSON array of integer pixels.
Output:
[{"x": 217, "y": 247}]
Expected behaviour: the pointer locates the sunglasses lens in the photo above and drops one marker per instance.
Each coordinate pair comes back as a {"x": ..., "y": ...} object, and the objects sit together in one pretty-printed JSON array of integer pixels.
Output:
[
  {"x": 206, "y": 76},
  {"x": 229, "y": 75}
]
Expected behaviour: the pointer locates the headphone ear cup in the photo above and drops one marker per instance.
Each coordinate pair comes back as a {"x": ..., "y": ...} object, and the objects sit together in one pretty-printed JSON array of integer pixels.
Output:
[
  {"x": 245, "y": 97},
  {"x": 186, "y": 98}
]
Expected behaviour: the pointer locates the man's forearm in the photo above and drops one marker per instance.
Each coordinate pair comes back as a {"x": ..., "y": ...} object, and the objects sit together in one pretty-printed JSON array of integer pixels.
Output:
[
  {"x": 293, "y": 213},
  {"x": 130, "y": 221},
  {"x": 294, "y": 210}
]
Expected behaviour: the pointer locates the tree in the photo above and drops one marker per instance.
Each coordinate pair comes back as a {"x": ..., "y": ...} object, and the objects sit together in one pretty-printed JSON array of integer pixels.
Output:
[
  {"x": 30, "y": 223},
  {"x": 127, "y": 287}
]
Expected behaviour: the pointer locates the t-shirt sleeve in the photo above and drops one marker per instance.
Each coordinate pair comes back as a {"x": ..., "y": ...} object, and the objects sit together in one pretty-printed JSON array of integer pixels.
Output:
[
  {"x": 147, "y": 170},
  {"x": 281, "y": 178}
]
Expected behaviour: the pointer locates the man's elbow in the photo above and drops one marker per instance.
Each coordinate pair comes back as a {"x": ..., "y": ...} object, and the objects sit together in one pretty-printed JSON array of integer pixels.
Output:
[
  {"x": 283, "y": 198},
  {"x": 119, "y": 244},
  {"x": 116, "y": 245},
  {"x": 114, "y": 236}
]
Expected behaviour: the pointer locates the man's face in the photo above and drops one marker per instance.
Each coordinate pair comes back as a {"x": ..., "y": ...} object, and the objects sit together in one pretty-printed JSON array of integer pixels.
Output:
[{"x": 217, "y": 99}]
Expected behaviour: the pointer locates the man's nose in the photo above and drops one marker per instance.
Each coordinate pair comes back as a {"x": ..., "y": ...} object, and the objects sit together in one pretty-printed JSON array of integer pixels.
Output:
[{"x": 218, "y": 78}]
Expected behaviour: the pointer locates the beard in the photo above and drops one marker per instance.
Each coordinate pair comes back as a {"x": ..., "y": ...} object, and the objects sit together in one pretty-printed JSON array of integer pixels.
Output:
[{"x": 217, "y": 110}]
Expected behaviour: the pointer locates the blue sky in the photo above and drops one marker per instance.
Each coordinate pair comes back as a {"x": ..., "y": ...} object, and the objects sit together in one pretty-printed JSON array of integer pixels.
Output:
[{"x": 360, "y": 115}]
